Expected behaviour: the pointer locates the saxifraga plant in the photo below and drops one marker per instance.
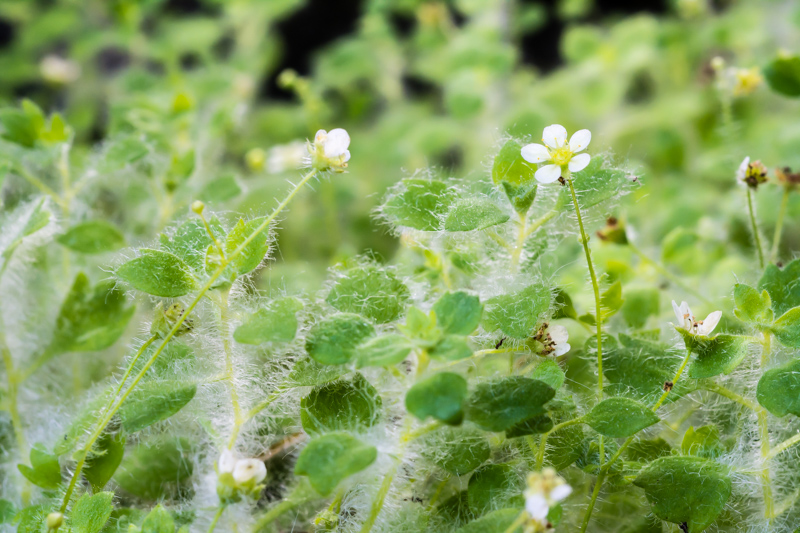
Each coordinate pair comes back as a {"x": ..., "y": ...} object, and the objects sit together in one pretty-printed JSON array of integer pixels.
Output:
[{"x": 438, "y": 394}]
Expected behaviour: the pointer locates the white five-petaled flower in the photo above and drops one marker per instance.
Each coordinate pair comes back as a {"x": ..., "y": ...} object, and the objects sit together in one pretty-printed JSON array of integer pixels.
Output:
[
  {"x": 242, "y": 470},
  {"x": 687, "y": 321},
  {"x": 544, "y": 490},
  {"x": 329, "y": 151},
  {"x": 558, "y": 152},
  {"x": 559, "y": 336}
]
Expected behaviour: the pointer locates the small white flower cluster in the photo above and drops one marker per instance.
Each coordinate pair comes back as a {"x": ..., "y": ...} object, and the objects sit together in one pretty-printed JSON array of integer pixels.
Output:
[
  {"x": 558, "y": 152},
  {"x": 329, "y": 151},
  {"x": 545, "y": 489},
  {"x": 687, "y": 320},
  {"x": 238, "y": 475}
]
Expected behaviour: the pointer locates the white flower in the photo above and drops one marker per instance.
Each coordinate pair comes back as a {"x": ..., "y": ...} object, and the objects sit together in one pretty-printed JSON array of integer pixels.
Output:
[
  {"x": 557, "y": 150},
  {"x": 544, "y": 490},
  {"x": 56, "y": 69},
  {"x": 249, "y": 469},
  {"x": 741, "y": 173},
  {"x": 226, "y": 462},
  {"x": 687, "y": 321},
  {"x": 330, "y": 150},
  {"x": 559, "y": 335}
]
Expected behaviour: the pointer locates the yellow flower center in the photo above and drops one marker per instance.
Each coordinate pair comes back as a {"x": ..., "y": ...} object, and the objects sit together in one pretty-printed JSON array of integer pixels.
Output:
[{"x": 561, "y": 156}]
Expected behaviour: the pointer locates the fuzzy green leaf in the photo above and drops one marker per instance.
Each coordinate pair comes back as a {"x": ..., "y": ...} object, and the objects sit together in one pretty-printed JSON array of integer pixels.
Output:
[
  {"x": 342, "y": 405},
  {"x": 494, "y": 486},
  {"x": 418, "y": 204},
  {"x": 386, "y": 350},
  {"x": 333, "y": 341},
  {"x": 154, "y": 401},
  {"x": 517, "y": 314},
  {"x": 156, "y": 469},
  {"x": 191, "y": 240},
  {"x": 782, "y": 286},
  {"x": 783, "y": 75},
  {"x": 158, "y": 273},
  {"x": 497, "y": 405},
  {"x": 440, "y": 396},
  {"x": 521, "y": 197},
  {"x": 640, "y": 304},
  {"x": 90, "y": 319},
  {"x": 458, "y": 313},
  {"x": 451, "y": 348},
  {"x": 779, "y": 389},
  {"x": 93, "y": 237},
  {"x": 7, "y": 511},
  {"x": 329, "y": 459},
  {"x": 277, "y": 322},
  {"x": 620, "y": 417},
  {"x": 255, "y": 250},
  {"x": 752, "y": 306},
  {"x": 787, "y": 328},
  {"x": 533, "y": 426},
  {"x": 510, "y": 167},
  {"x": 721, "y": 354},
  {"x": 158, "y": 521},
  {"x": 495, "y": 522},
  {"x": 106, "y": 458},
  {"x": 22, "y": 126},
  {"x": 44, "y": 472},
  {"x": 457, "y": 450},
  {"x": 549, "y": 372},
  {"x": 369, "y": 291},
  {"x": 309, "y": 373},
  {"x": 611, "y": 300},
  {"x": 688, "y": 490},
  {"x": 594, "y": 185},
  {"x": 471, "y": 214},
  {"x": 702, "y": 442},
  {"x": 91, "y": 513}
]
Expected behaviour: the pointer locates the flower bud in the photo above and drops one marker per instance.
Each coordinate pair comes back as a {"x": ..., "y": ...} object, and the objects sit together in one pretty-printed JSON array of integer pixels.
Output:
[
  {"x": 329, "y": 151},
  {"x": 198, "y": 206},
  {"x": 226, "y": 462},
  {"x": 255, "y": 159},
  {"x": 248, "y": 470},
  {"x": 54, "y": 521}
]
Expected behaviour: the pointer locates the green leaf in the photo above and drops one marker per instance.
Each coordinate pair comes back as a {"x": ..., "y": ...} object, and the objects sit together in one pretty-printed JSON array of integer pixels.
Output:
[
  {"x": 533, "y": 426},
  {"x": 7, "y": 511},
  {"x": 779, "y": 389},
  {"x": 106, "y": 458},
  {"x": 158, "y": 521},
  {"x": 721, "y": 354},
  {"x": 341, "y": 405},
  {"x": 517, "y": 314},
  {"x": 787, "y": 328},
  {"x": 451, "y": 348},
  {"x": 154, "y": 401},
  {"x": 82, "y": 423},
  {"x": 277, "y": 322},
  {"x": 440, "y": 396},
  {"x": 386, "y": 350},
  {"x": 44, "y": 471},
  {"x": 510, "y": 167},
  {"x": 594, "y": 185},
  {"x": 369, "y": 291},
  {"x": 639, "y": 305},
  {"x": 471, "y": 214},
  {"x": 255, "y": 250},
  {"x": 329, "y": 459},
  {"x": 418, "y": 203},
  {"x": 91, "y": 513},
  {"x": 191, "y": 240},
  {"x": 688, "y": 490},
  {"x": 702, "y": 442},
  {"x": 28, "y": 219},
  {"x": 90, "y": 319},
  {"x": 22, "y": 126},
  {"x": 220, "y": 190},
  {"x": 457, "y": 450},
  {"x": 550, "y": 373},
  {"x": 158, "y": 273},
  {"x": 783, "y": 75},
  {"x": 92, "y": 237},
  {"x": 494, "y": 486},
  {"x": 123, "y": 152},
  {"x": 752, "y": 306},
  {"x": 156, "y": 469},
  {"x": 497, "y": 405},
  {"x": 333, "y": 341},
  {"x": 611, "y": 300},
  {"x": 31, "y": 519},
  {"x": 564, "y": 305},
  {"x": 309, "y": 373},
  {"x": 495, "y": 522},
  {"x": 521, "y": 197},
  {"x": 620, "y": 417},
  {"x": 782, "y": 286},
  {"x": 458, "y": 313}
]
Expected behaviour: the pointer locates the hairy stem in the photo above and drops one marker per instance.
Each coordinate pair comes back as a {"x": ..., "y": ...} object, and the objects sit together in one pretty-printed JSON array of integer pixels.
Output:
[
  {"x": 754, "y": 227},
  {"x": 217, "y": 516},
  {"x": 595, "y": 492},
  {"x": 523, "y": 233},
  {"x": 785, "y": 445},
  {"x": 178, "y": 323},
  {"x": 776, "y": 238},
  {"x": 763, "y": 426},
  {"x": 238, "y": 420}
]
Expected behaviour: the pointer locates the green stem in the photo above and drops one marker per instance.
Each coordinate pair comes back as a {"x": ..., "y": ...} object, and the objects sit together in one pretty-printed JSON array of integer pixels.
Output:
[
  {"x": 543, "y": 440},
  {"x": 515, "y": 255},
  {"x": 264, "y": 404},
  {"x": 595, "y": 493},
  {"x": 785, "y": 445},
  {"x": 273, "y": 514},
  {"x": 754, "y": 225},
  {"x": 595, "y": 286},
  {"x": 217, "y": 515},
  {"x": 39, "y": 184},
  {"x": 380, "y": 498},
  {"x": 763, "y": 425},
  {"x": 519, "y": 522},
  {"x": 675, "y": 379},
  {"x": 201, "y": 294},
  {"x": 727, "y": 393},
  {"x": 776, "y": 238},
  {"x": 238, "y": 420}
]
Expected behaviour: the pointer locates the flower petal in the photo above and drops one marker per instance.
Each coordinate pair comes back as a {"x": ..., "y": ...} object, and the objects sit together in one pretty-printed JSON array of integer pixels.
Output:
[
  {"x": 346, "y": 157},
  {"x": 741, "y": 172},
  {"x": 548, "y": 174},
  {"x": 226, "y": 462},
  {"x": 711, "y": 322},
  {"x": 678, "y": 312},
  {"x": 535, "y": 153},
  {"x": 337, "y": 143},
  {"x": 561, "y": 349},
  {"x": 579, "y": 162},
  {"x": 247, "y": 469},
  {"x": 558, "y": 333},
  {"x": 580, "y": 140},
  {"x": 554, "y": 136},
  {"x": 320, "y": 136},
  {"x": 537, "y": 507},
  {"x": 560, "y": 492}
]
